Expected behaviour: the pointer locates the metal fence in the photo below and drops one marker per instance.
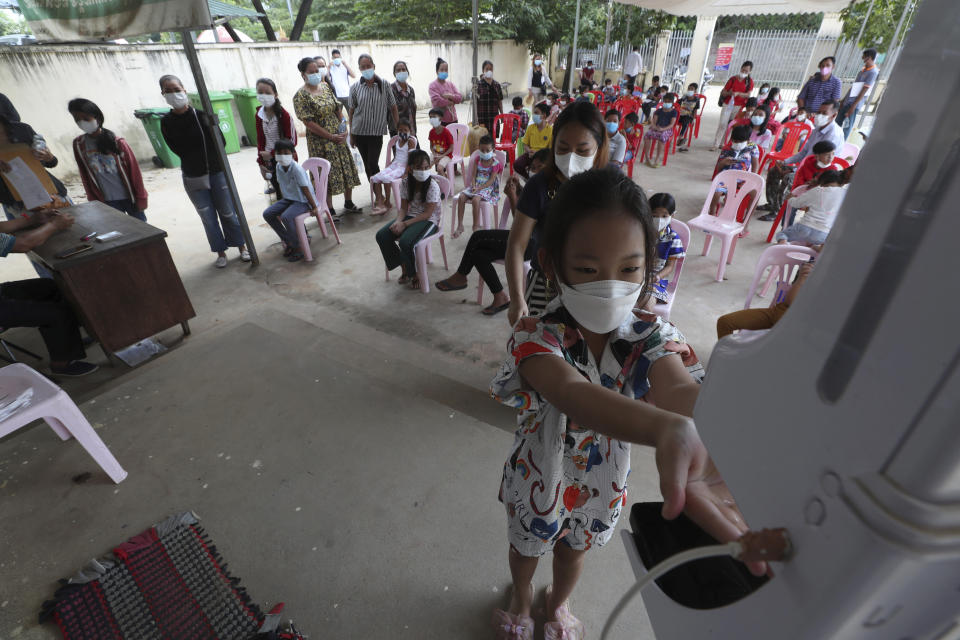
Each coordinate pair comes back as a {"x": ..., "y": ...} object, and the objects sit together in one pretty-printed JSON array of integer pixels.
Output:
[
  {"x": 674, "y": 70},
  {"x": 616, "y": 54},
  {"x": 779, "y": 57}
]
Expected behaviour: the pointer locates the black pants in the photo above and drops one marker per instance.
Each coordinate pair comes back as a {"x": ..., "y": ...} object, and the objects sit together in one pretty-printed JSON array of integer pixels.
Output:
[
  {"x": 38, "y": 303},
  {"x": 483, "y": 248},
  {"x": 369, "y": 148},
  {"x": 685, "y": 121},
  {"x": 631, "y": 81},
  {"x": 522, "y": 164}
]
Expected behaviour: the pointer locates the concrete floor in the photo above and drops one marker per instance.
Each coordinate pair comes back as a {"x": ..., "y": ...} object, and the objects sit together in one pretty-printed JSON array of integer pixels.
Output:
[{"x": 402, "y": 379}]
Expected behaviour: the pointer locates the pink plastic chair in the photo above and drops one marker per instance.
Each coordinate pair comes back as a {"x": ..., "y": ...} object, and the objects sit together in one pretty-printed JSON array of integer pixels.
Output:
[
  {"x": 319, "y": 169},
  {"x": 459, "y": 132},
  {"x": 487, "y": 212},
  {"x": 782, "y": 259},
  {"x": 683, "y": 232},
  {"x": 849, "y": 152},
  {"x": 724, "y": 224},
  {"x": 422, "y": 251},
  {"x": 52, "y": 405},
  {"x": 395, "y": 185}
]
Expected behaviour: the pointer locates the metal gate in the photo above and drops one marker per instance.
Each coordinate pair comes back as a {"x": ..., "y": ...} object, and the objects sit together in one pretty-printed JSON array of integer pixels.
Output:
[{"x": 674, "y": 70}]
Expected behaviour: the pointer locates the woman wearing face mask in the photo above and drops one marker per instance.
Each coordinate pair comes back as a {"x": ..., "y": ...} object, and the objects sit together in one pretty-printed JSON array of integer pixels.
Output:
[
  {"x": 108, "y": 168},
  {"x": 405, "y": 98},
  {"x": 371, "y": 105},
  {"x": 822, "y": 86},
  {"x": 538, "y": 80},
  {"x": 444, "y": 94},
  {"x": 489, "y": 98},
  {"x": 189, "y": 134},
  {"x": 273, "y": 123},
  {"x": 316, "y": 105},
  {"x": 760, "y": 134}
]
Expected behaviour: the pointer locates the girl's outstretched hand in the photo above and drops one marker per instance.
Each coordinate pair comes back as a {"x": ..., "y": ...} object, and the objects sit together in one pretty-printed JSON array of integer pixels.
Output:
[{"x": 690, "y": 483}]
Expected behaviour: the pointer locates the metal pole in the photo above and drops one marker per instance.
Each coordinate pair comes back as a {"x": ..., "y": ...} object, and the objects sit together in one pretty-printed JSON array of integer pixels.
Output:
[
  {"x": 903, "y": 16},
  {"x": 473, "y": 81},
  {"x": 194, "y": 61},
  {"x": 865, "y": 20},
  {"x": 576, "y": 32},
  {"x": 706, "y": 60},
  {"x": 606, "y": 39}
]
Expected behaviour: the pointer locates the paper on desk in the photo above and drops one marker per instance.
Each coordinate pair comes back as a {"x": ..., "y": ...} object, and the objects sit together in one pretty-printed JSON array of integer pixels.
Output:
[{"x": 25, "y": 182}]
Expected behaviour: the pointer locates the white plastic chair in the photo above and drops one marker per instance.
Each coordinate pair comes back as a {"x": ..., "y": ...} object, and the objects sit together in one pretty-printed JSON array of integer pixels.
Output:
[
  {"x": 51, "y": 404},
  {"x": 460, "y": 132},
  {"x": 849, "y": 152},
  {"x": 422, "y": 251},
  {"x": 320, "y": 170},
  {"x": 782, "y": 259},
  {"x": 683, "y": 232},
  {"x": 724, "y": 224},
  {"x": 487, "y": 211},
  {"x": 395, "y": 185}
]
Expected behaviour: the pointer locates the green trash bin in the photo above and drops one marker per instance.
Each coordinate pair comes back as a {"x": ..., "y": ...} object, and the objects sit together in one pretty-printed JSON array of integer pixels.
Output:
[
  {"x": 222, "y": 106},
  {"x": 151, "y": 123},
  {"x": 247, "y": 105}
]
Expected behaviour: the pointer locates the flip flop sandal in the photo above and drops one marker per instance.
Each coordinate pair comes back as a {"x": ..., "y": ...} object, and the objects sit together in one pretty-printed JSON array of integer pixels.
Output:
[
  {"x": 402, "y": 280},
  {"x": 443, "y": 286},
  {"x": 492, "y": 310},
  {"x": 415, "y": 284},
  {"x": 567, "y": 627},
  {"x": 508, "y": 626}
]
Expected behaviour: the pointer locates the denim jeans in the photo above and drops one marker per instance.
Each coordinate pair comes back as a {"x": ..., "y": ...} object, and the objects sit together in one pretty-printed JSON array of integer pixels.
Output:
[
  {"x": 281, "y": 216},
  {"x": 128, "y": 207},
  {"x": 398, "y": 251},
  {"x": 801, "y": 234},
  {"x": 215, "y": 208},
  {"x": 847, "y": 123}
]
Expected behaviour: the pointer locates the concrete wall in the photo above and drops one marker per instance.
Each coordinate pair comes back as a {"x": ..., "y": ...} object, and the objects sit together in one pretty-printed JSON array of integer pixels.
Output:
[{"x": 40, "y": 80}]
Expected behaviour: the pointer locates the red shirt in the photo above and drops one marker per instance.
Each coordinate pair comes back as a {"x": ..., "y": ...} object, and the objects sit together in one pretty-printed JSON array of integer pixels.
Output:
[
  {"x": 736, "y": 85},
  {"x": 808, "y": 170},
  {"x": 440, "y": 141}
]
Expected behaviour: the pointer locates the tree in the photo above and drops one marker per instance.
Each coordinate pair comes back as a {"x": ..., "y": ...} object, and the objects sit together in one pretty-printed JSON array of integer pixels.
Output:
[
  {"x": 783, "y": 21},
  {"x": 9, "y": 25},
  {"x": 882, "y": 24}
]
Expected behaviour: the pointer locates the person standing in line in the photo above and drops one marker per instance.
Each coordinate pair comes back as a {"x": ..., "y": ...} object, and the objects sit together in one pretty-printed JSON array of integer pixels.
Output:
[
  {"x": 489, "y": 98},
  {"x": 108, "y": 169},
  {"x": 631, "y": 68},
  {"x": 317, "y": 107},
  {"x": 340, "y": 74},
  {"x": 538, "y": 80},
  {"x": 858, "y": 93},
  {"x": 822, "y": 86},
  {"x": 189, "y": 134},
  {"x": 405, "y": 98},
  {"x": 733, "y": 96},
  {"x": 273, "y": 123},
  {"x": 444, "y": 94},
  {"x": 371, "y": 102}
]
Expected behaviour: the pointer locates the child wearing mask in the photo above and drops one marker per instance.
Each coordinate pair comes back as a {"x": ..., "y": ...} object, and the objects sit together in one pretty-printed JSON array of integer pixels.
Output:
[
  {"x": 520, "y": 112},
  {"x": 441, "y": 141},
  {"x": 740, "y": 156},
  {"x": 538, "y": 136},
  {"x": 398, "y": 168},
  {"x": 760, "y": 134},
  {"x": 551, "y": 101},
  {"x": 273, "y": 123},
  {"x": 609, "y": 93},
  {"x": 618, "y": 144},
  {"x": 485, "y": 187},
  {"x": 633, "y": 134},
  {"x": 821, "y": 203},
  {"x": 298, "y": 198},
  {"x": 669, "y": 249},
  {"x": 689, "y": 106},
  {"x": 660, "y": 131}
]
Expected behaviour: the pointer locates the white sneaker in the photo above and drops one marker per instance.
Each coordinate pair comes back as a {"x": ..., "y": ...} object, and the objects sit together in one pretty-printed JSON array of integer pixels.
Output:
[
  {"x": 221, "y": 262},
  {"x": 245, "y": 255}
]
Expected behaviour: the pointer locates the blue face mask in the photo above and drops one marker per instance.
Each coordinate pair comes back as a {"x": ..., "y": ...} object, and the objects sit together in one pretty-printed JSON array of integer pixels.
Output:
[
  {"x": 537, "y": 118},
  {"x": 486, "y": 155},
  {"x": 612, "y": 127},
  {"x": 367, "y": 74},
  {"x": 314, "y": 79},
  {"x": 442, "y": 75},
  {"x": 402, "y": 76}
]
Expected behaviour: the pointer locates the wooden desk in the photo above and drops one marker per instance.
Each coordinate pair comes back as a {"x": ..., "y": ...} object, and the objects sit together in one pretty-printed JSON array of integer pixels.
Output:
[{"x": 123, "y": 290}]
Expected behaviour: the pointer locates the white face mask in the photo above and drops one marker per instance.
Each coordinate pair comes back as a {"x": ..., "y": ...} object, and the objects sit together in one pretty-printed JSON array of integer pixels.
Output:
[
  {"x": 549, "y": 103},
  {"x": 821, "y": 120},
  {"x": 738, "y": 146},
  {"x": 603, "y": 305},
  {"x": 177, "y": 100},
  {"x": 285, "y": 160},
  {"x": 434, "y": 122},
  {"x": 824, "y": 165},
  {"x": 690, "y": 94},
  {"x": 743, "y": 76},
  {"x": 757, "y": 120},
  {"x": 488, "y": 74},
  {"x": 421, "y": 175},
  {"x": 570, "y": 164},
  {"x": 266, "y": 99},
  {"x": 663, "y": 223},
  {"x": 88, "y": 126},
  {"x": 801, "y": 117}
]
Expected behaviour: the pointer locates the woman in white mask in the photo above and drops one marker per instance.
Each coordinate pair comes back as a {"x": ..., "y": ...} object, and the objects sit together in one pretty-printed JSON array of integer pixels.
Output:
[
  {"x": 273, "y": 123},
  {"x": 580, "y": 142},
  {"x": 189, "y": 134},
  {"x": 577, "y": 374}
]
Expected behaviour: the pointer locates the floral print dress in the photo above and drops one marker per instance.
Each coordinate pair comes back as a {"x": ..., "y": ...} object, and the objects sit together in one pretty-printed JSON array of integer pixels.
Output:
[
  {"x": 562, "y": 481},
  {"x": 322, "y": 108}
]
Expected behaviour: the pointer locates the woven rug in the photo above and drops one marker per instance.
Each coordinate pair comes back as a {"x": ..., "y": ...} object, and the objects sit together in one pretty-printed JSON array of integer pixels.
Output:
[{"x": 167, "y": 582}]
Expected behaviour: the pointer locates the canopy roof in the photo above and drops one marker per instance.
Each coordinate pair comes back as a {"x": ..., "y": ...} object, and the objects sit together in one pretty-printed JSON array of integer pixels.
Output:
[
  {"x": 230, "y": 11},
  {"x": 738, "y": 7}
]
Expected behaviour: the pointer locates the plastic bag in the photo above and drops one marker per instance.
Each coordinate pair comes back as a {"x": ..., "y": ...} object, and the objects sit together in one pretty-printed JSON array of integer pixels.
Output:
[{"x": 358, "y": 160}]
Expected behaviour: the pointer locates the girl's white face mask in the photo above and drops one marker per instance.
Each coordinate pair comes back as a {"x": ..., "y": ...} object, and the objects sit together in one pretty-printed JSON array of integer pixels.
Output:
[
  {"x": 663, "y": 223},
  {"x": 603, "y": 305},
  {"x": 570, "y": 164}
]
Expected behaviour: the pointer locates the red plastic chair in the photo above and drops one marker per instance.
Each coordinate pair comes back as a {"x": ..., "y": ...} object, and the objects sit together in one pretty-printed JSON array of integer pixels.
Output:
[
  {"x": 794, "y": 134},
  {"x": 703, "y": 103},
  {"x": 626, "y": 105},
  {"x": 783, "y": 208},
  {"x": 671, "y": 144},
  {"x": 636, "y": 151},
  {"x": 506, "y": 122}
]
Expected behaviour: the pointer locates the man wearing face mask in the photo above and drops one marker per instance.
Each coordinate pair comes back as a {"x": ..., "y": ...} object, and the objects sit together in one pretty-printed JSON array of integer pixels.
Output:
[
  {"x": 340, "y": 74},
  {"x": 821, "y": 87},
  {"x": 857, "y": 95}
]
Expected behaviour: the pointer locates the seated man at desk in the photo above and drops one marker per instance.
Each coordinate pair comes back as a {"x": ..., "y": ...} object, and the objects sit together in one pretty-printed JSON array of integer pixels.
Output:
[{"x": 37, "y": 302}]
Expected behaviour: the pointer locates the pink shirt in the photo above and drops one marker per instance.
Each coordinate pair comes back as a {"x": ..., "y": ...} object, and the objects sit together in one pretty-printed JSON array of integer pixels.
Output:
[{"x": 437, "y": 89}]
